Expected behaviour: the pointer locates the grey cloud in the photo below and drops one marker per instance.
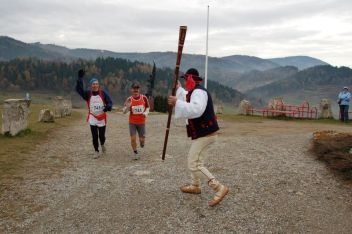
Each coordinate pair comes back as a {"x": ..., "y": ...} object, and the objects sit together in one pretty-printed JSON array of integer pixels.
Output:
[{"x": 236, "y": 26}]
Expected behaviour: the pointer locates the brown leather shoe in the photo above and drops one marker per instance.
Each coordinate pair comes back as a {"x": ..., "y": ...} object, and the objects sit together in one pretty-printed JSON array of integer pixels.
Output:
[
  {"x": 194, "y": 189},
  {"x": 222, "y": 191}
]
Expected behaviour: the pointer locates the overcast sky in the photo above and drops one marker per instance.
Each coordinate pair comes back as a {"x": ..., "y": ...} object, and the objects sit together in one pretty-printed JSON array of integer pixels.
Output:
[{"x": 261, "y": 28}]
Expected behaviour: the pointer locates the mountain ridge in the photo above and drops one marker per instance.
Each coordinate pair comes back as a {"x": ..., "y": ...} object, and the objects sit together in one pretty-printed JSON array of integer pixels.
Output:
[
  {"x": 231, "y": 64},
  {"x": 252, "y": 76}
]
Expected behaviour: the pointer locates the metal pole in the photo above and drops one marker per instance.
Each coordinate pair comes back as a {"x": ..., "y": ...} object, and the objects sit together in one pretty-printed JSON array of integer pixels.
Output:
[{"x": 206, "y": 52}]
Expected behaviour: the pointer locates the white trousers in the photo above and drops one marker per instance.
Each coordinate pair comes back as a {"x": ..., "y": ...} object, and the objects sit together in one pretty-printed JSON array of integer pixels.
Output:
[{"x": 196, "y": 159}]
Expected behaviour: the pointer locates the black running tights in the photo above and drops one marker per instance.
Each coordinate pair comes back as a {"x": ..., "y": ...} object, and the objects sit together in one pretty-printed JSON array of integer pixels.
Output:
[{"x": 98, "y": 132}]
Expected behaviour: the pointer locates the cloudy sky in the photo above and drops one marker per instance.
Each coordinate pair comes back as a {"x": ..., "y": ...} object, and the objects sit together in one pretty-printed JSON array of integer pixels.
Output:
[{"x": 262, "y": 28}]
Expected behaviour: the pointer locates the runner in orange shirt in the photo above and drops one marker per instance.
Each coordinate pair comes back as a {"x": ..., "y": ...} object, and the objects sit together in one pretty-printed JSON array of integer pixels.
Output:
[{"x": 138, "y": 106}]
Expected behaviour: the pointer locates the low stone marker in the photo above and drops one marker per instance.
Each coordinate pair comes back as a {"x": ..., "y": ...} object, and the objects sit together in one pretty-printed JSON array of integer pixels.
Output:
[
  {"x": 325, "y": 109},
  {"x": 67, "y": 107},
  {"x": 218, "y": 109},
  {"x": 15, "y": 116},
  {"x": 59, "y": 107},
  {"x": 245, "y": 107},
  {"x": 62, "y": 107},
  {"x": 46, "y": 116}
]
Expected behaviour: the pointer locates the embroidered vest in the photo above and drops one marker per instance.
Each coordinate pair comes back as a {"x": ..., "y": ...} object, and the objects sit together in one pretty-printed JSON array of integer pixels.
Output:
[{"x": 206, "y": 123}]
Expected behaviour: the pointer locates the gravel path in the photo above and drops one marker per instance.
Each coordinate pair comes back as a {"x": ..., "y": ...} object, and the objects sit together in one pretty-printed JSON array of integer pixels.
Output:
[{"x": 276, "y": 186}]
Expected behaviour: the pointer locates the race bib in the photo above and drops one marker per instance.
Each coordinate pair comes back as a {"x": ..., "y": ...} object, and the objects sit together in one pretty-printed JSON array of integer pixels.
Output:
[
  {"x": 96, "y": 105},
  {"x": 137, "y": 109}
]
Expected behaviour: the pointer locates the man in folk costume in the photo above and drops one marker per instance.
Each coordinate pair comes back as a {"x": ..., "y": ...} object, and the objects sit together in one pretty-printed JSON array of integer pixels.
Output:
[
  {"x": 138, "y": 106},
  {"x": 99, "y": 102},
  {"x": 196, "y": 105}
]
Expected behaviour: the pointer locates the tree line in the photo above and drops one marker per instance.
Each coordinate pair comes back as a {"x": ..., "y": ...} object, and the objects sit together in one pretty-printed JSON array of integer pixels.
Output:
[{"x": 115, "y": 75}]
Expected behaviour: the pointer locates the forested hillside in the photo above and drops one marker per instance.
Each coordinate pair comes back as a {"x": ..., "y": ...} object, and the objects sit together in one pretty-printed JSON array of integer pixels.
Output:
[
  {"x": 223, "y": 70},
  {"x": 114, "y": 74},
  {"x": 301, "y": 62},
  {"x": 310, "y": 84},
  {"x": 255, "y": 78}
]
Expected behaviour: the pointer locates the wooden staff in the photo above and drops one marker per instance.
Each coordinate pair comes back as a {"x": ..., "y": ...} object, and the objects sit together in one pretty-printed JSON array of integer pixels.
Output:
[{"x": 181, "y": 41}]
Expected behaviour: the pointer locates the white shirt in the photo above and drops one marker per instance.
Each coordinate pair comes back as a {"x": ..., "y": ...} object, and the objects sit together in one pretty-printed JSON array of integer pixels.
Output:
[
  {"x": 193, "y": 109},
  {"x": 96, "y": 108}
]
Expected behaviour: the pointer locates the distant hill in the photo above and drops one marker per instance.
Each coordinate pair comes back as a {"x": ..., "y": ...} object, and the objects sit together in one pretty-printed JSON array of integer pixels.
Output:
[
  {"x": 219, "y": 69},
  {"x": 252, "y": 63},
  {"x": 301, "y": 62},
  {"x": 309, "y": 84},
  {"x": 11, "y": 49},
  {"x": 254, "y": 79}
]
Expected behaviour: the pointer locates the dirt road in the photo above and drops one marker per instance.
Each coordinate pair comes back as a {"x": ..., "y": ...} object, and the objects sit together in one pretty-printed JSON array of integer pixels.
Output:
[{"x": 276, "y": 186}]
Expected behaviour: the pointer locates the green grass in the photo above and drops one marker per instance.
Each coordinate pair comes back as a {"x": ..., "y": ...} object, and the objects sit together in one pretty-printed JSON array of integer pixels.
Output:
[{"x": 14, "y": 149}]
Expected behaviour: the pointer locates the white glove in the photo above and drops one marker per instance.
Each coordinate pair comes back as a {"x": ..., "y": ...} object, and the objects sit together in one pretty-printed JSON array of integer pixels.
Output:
[
  {"x": 146, "y": 112},
  {"x": 124, "y": 109},
  {"x": 127, "y": 106}
]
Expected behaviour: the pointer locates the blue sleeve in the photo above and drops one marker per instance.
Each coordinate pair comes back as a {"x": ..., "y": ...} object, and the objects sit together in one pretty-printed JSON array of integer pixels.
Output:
[
  {"x": 107, "y": 100},
  {"x": 80, "y": 90}
]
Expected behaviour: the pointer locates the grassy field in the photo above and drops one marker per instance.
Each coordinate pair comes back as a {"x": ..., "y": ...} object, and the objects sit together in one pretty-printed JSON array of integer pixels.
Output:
[{"x": 14, "y": 149}]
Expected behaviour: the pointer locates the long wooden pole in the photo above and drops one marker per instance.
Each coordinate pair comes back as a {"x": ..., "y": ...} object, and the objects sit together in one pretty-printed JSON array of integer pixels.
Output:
[{"x": 181, "y": 41}]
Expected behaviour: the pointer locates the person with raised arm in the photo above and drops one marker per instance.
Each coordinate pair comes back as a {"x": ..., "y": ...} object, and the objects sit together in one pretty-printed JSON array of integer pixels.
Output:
[{"x": 99, "y": 102}]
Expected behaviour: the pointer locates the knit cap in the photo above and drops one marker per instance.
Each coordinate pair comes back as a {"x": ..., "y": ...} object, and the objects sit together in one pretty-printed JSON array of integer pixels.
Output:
[{"x": 93, "y": 80}]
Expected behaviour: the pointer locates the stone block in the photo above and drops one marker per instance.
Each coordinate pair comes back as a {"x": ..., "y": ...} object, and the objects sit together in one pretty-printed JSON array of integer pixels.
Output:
[
  {"x": 46, "y": 116},
  {"x": 15, "y": 116}
]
